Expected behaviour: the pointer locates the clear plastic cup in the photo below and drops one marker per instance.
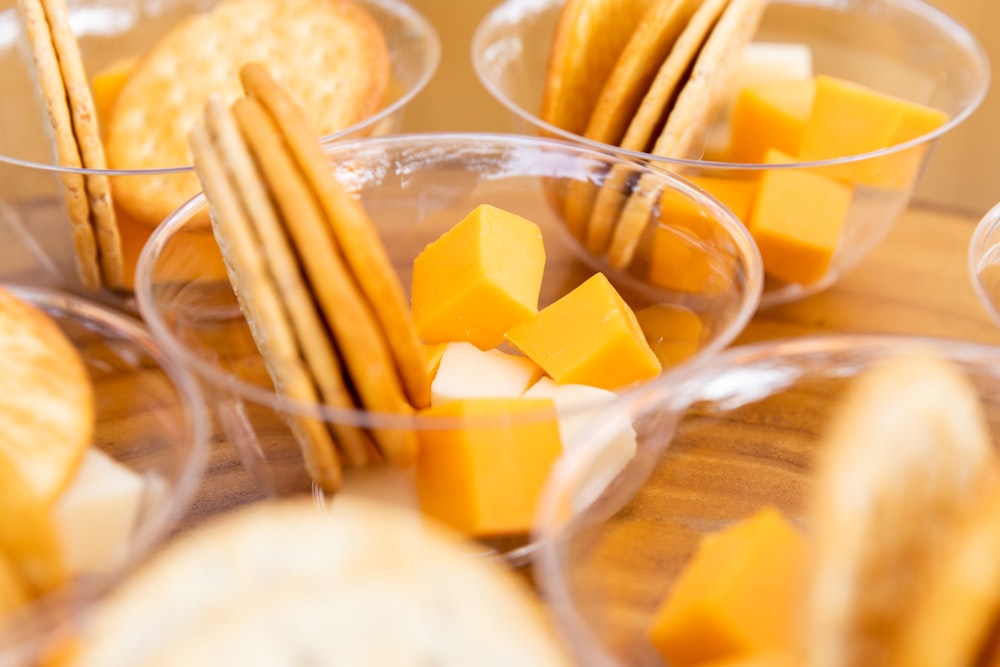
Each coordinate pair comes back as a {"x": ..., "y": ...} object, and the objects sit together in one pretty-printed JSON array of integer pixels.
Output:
[
  {"x": 724, "y": 441},
  {"x": 31, "y": 201},
  {"x": 905, "y": 48},
  {"x": 415, "y": 187},
  {"x": 152, "y": 417}
]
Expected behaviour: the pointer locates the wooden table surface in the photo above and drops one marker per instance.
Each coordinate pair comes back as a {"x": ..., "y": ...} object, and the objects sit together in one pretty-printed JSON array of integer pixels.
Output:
[{"x": 914, "y": 282}]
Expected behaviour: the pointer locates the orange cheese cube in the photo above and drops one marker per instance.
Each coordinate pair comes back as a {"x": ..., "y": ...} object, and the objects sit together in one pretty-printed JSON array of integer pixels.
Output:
[
  {"x": 478, "y": 279},
  {"x": 673, "y": 332},
  {"x": 770, "y": 115},
  {"x": 689, "y": 252},
  {"x": 108, "y": 83},
  {"x": 797, "y": 221},
  {"x": 739, "y": 594},
  {"x": 485, "y": 479},
  {"x": 589, "y": 336},
  {"x": 850, "y": 119}
]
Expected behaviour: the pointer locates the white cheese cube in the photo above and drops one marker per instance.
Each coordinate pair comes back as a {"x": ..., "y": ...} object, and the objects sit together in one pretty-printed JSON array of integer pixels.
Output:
[
  {"x": 96, "y": 514},
  {"x": 468, "y": 372}
]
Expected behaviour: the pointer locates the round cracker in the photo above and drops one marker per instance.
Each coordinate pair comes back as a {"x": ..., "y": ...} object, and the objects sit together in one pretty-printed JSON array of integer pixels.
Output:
[
  {"x": 637, "y": 67},
  {"x": 589, "y": 37},
  {"x": 275, "y": 581},
  {"x": 657, "y": 103},
  {"x": 47, "y": 410},
  {"x": 958, "y": 602},
  {"x": 907, "y": 454},
  {"x": 331, "y": 56},
  {"x": 318, "y": 352},
  {"x": 355, "y": 234},
  {"x": 688, "y": 121},
  {"x": 88, "y": 139},
  {"x": 355, "y": 330},
  {"x": 262, "y": 305},
  {"x": 67, "y": 152}
]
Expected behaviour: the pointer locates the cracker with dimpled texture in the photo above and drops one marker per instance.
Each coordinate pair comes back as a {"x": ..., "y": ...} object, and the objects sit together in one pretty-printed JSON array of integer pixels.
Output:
[
  {"x": 906, "y": 456},
  {"x": 67, "y": 152},
  {"x": 318, "y": 352},
  {"x": 589, "y": 37},
  {"x": 262, "y": 305},
  {"x": 689, "y": 120},
  {"x": 355, "y": 330},
  {"x": 636, "y": 69},
  {"x": 330, "y": 56},
  {"x": 958, "y": 602},
  {"x": 88, "y": 139},
  {"x": 47, "y": 408},
  {"x": 355, "y": 234},
  {"x": 657, "y": 104},
  {"x": 360, "y": 567}
]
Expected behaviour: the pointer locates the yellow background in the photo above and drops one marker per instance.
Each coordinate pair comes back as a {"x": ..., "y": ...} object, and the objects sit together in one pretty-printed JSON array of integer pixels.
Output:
[{"x": 964, "y": 170}]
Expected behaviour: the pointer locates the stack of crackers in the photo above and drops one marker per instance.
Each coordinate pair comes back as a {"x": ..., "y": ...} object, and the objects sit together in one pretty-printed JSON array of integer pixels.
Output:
[
  {"x": 646, "y": 76},
  {"x": 70, "y": 106},
  {"x": 330, "y": 54},
  {"x": 323, "y": 301}
]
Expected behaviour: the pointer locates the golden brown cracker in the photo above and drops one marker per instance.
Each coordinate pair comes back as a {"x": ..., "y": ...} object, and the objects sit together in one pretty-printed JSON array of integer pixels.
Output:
[
  {"x": 657, "y": 104},
  {"x": 318, "y": 352},
  {"x": 298, "y": 572},
  {"x": 637, "y": 67},
  {"x": 262, "y": 304},
  {"x": 29, "y": 538},
  {"x": 958, "y": 601},
  {"x": 88, "y": 139},
  {"x": 589, "y": 37},
  {"x": 351, "y": 321},
  {"x": 331, "y": 56},
  {"x": 705, "y": 88},
  {"x": 47, "y": 406},
  {"x": 689, "y": 118},
  {"x": 906, "y": 455},
  {"x": 67, "y": 152},
  {"x": 356, "y": 236}
]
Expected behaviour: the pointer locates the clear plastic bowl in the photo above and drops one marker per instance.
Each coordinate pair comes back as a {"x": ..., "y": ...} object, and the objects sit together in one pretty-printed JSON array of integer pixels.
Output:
[
  {"x": 31, "y": 202},
  {"x": 415, "y": 187},
  {"x": 151, "y": 417},
  {"x": 905, "y": 48},
  {"x": 727, "y": 439},
  {"x": 984, "y": 261}
]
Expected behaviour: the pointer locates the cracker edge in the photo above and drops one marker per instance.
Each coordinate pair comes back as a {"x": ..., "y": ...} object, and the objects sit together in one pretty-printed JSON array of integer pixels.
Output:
[
  {"x": 354, "y": 232},
  {"x": 319, "y": 355},
  {"x": 347, "y": 314},
  {"x": 88, "y": 138},
  {"x": 262, "y": 305},
  {"x": 67, "y": 151}
]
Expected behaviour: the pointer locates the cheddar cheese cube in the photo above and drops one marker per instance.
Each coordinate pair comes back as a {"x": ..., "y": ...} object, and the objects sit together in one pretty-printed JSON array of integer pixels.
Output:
[
  {"x": 478, "y": 279},
  {"x": 589, "y": 336},
  {"x": 739, "y": 594},
  {"x": 797, "y": 221},
  {"x": 673, "y": 332},
  {"x": 690, "y": 252},
  {"x": 850, "y": 119},
  {"x": 770, "y": 115},
  {"x": 482, "y": 471},
  {"x": 108, "y": 83}
]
